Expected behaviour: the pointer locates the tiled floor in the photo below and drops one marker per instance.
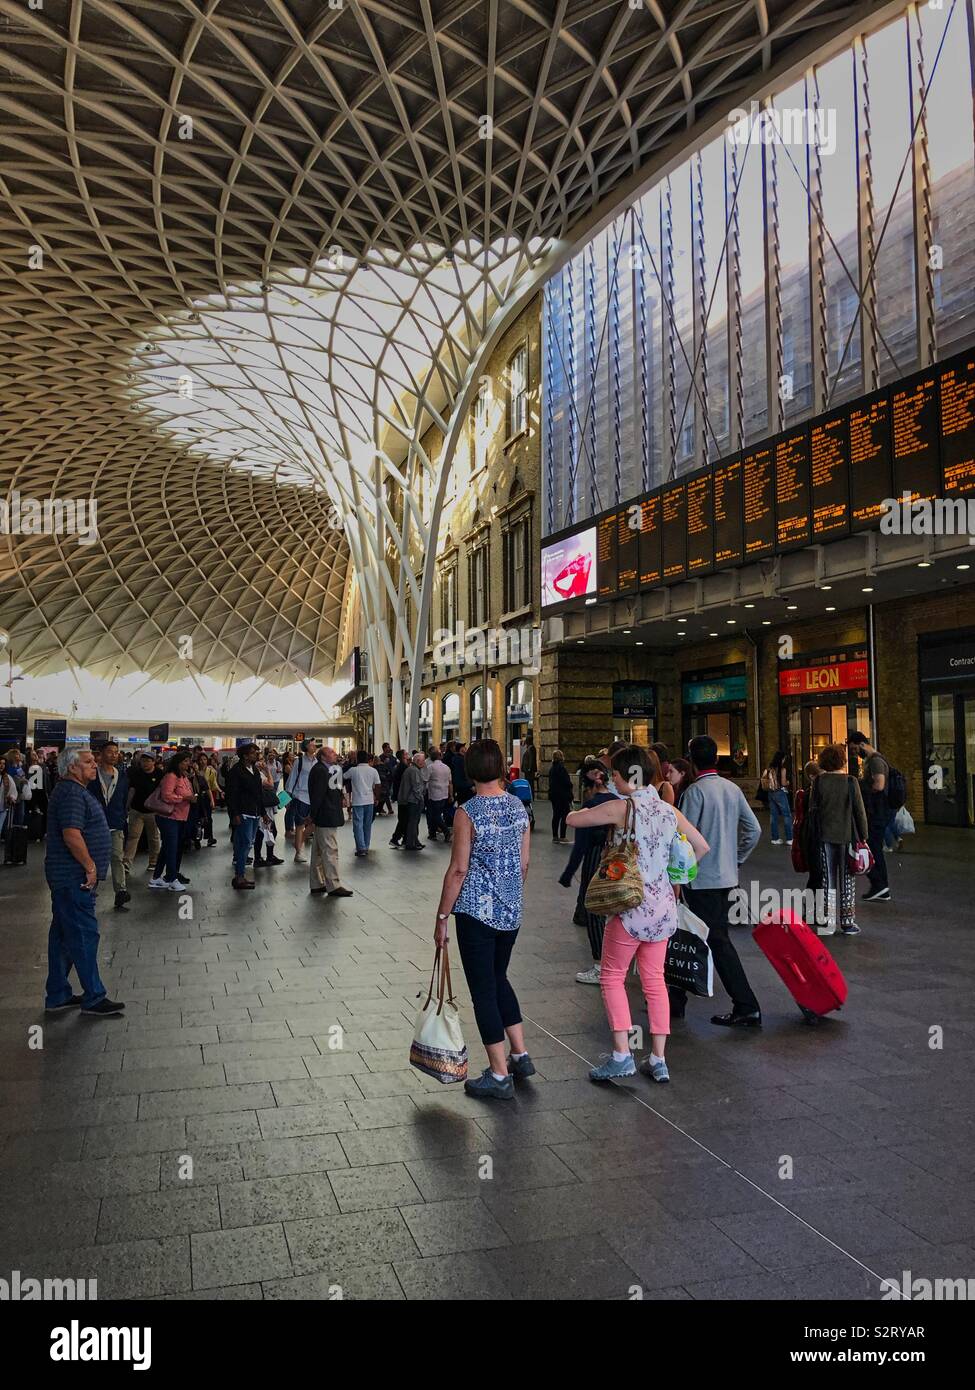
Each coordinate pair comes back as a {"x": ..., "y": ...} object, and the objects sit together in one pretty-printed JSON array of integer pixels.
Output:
[{"x": 266, "y": 1040}]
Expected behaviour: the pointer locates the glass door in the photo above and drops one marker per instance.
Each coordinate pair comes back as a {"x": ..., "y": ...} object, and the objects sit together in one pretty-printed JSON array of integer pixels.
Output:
[{"x": 942, "y": 804}]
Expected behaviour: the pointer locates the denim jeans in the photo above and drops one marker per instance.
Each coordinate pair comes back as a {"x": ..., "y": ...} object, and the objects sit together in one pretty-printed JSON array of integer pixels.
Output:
[
  {"x": 362, "y": 818},
  {"x": 243, "y": 838},
  {"x": 171, "y": 834},
  {"x": 73, "y": 940},
  {"x": 778, "y": 805}
]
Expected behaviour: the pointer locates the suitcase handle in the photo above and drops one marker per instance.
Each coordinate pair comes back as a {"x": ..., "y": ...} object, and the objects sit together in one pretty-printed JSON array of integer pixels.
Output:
[{"x": 797, "y": 972}]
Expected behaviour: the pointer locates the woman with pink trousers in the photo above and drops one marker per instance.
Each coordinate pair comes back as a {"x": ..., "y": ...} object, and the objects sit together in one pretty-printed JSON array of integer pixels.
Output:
[{"x": 644, "y": 930}]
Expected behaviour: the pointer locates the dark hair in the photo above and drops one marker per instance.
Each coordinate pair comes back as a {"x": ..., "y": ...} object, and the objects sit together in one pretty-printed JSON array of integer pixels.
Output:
[
  {"x": 777, "y": 759},
  {"x": 661, "y": 751},
  {"x": 832, "y": 758},
  {"x": 703, "y": 752},
  {"x": 484, "y": 761},
  {"x": 174, "y": 762},
  {"x": 615, "y": 747},
  {"x": 639, "y": 766},
  {"x": 857, "y": 736},
  {"x": 362, "y": 756},
  {"x": 245, "y": 748},
  {"x": 687, "y": 775}
]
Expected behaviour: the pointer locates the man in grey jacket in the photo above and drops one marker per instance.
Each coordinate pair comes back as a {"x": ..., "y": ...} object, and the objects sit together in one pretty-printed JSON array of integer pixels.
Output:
[
  {"x": 410, "y": 801},
  {"x": 717, "y": 807}
]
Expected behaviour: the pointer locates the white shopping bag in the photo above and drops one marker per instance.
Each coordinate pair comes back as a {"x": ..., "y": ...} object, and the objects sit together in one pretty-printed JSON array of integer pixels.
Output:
[
  {"x": 438, "y": 1048},
  {"x": 689, "y": 965}
]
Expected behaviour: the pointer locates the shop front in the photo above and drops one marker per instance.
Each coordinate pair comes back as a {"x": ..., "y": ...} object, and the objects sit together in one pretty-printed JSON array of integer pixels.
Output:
[
  {"x": 946, "y": 666},
  {"x": 425, "y": 725},
  {"x": 519, "y": 708},
  {"x": 635, "y": 712},
  {"x": 449, "y": 717},
  {"x": 823, "y": 697},
  {"x": 480, "y": 720},
  {"x": 715, "y": 703}
]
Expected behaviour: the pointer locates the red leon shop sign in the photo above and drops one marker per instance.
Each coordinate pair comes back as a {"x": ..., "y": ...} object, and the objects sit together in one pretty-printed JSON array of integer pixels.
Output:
[{"x": 824, "y": 680}]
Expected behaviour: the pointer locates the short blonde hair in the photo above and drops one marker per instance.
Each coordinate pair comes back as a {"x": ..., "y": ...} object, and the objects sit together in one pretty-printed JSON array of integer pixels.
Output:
[{"x": 558, "y": 756}]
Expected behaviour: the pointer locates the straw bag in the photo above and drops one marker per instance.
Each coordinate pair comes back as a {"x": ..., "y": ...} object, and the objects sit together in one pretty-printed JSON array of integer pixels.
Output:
[
  {"x": 617, "y": 884},
  {"x": 438, "y": 1048}
]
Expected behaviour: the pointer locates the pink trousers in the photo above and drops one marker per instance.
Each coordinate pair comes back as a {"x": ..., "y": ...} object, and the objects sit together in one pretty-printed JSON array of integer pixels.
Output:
[{"x": 619, "y": 948}]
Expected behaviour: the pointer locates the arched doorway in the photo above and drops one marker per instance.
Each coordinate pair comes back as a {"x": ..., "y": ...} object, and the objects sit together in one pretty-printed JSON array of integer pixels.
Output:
[
  {"x": 518, "y": 712},
  {"x": 425, "y": 725},
  {"x": 481, "y": 726},
  {"x": 449, "y": 717}
]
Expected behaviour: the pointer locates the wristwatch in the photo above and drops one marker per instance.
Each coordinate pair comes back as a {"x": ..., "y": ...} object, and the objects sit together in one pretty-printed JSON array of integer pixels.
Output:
[{"x": 442, "y": 916}]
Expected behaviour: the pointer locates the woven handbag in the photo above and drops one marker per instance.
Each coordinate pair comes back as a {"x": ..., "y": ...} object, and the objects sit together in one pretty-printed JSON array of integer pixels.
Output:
[
  {"x": 617, "y": 884},
  {"x": 438, "y": 1048}
]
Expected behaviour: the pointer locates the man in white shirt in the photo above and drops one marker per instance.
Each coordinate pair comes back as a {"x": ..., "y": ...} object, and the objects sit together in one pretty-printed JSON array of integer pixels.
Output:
[
  {"x": 297, "y": 789},
  {"x": 362, "y": 781},
  {"x": 438, "y": 796}
]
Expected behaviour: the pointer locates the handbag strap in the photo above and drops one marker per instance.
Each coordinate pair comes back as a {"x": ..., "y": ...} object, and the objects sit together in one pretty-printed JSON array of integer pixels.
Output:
[{"x": 441, "y": 973}]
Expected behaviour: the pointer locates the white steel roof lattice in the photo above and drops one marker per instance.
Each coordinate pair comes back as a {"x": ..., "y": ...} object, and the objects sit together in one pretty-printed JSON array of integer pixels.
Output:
[{"x": 315, "y": 217}]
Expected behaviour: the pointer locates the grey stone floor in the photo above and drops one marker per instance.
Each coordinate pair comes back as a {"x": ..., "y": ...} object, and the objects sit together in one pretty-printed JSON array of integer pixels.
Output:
[{"x": 317, "y": 1168}]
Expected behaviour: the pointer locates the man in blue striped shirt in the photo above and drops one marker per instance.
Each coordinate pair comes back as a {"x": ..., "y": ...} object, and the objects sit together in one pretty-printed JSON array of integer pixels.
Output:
[{"x": 77, "y": 857}]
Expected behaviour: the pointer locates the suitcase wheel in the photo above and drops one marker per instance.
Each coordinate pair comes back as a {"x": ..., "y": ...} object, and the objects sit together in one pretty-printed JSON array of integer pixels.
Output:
[{"x": 809, "y": 1017}]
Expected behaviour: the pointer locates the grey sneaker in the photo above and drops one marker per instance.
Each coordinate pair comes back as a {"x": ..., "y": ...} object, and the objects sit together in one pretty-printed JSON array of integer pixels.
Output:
[
  {"x": 655, "y": 1068},
  {"x": 488, "y": 1087},
  {"x": 521, "y": 1067},
  {"x": 611, "y": 1069},
  {"x": 590, "y": 976}
]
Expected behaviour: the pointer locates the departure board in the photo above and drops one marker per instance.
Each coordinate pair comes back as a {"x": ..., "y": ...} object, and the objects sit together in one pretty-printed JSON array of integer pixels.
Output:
[
  {"x": 793, "y": 511},
  {"x": 700, "y": 524},
  {"x": 759, "y": 494},
  {"x": 673, "y": 502},
  {"x": 870, "y": 480},
  {"x": 811, "y": 484},
  {"x": 651, "y": 542},
  {"x": 829, "y": 476},
  {"x": 917, "y": 462},
  {"x": 728, "y": 513},
  {"x": 628, "y": 549},
  {"x": 606, "y": 556},
  {"x": 958, "y": 427}
]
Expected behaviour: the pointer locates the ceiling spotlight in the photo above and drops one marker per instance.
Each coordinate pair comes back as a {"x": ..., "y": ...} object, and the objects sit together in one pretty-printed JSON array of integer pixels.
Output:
[
  {"x": 712, "y": 634},
  {"x": 639, "y": 644},
  {"x": 766, "y": 622},
  {"x": 963, "y": 567},
  {"x": 831, "y": 609},
  {"x": 749, "y": 605},
  {"x": 866, "y": 591},
  {"x": 826, "y": 588},
  {"x": 682, "y": 620},
  {"x": 924, "y": 564},
  {"x": 792, "y": 607},
  {"x": 627, "y": 631}
]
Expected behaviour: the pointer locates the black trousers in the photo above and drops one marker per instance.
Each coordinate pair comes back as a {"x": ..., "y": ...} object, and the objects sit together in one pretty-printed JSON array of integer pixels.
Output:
[
  {"x": 711, "y": 905},
  {"x": 413, "y": 814},
  {"x": 595, "y": 926},
  {"x": 560, "y": 809},
  {"x": 485, "y": 953},
  {"x": 876, "y": 831},
  {"x": 402, "y": 820}
]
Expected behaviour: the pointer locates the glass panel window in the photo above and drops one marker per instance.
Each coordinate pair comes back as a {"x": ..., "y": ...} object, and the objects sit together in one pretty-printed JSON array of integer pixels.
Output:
[
  {"x": 518, "y": 392},
  {"x": 478, "y": 586},
  {"x": 516, "y": 542},
  {"x": 480, "y": 434}
]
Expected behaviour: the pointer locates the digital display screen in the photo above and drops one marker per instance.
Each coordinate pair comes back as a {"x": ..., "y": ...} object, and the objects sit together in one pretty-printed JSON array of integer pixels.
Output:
[
  {"x": 606, "y": 556},
  {"x": 628, "y": 549},
  {"x": 569, "y": 568},
  {"x": 813, "y": 483},
  {"x": 870, "y": 481},
  {"x": 759, "y": 495},
  {"x": 917, "y": 462},
  {"x": 700, "y": 524},
  {"x": 958, "y": 427},
  {"x": 829, "y": 476},
  {"x": 673, "y": 501},
  {"x": 793, "y": 523},
  {"x": 728, "y": 513},
  {"x": 651, "y": 542}
]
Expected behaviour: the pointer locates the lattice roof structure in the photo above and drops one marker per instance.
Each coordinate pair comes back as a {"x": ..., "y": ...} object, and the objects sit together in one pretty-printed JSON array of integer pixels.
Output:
[{"x": 252, "y": 250}]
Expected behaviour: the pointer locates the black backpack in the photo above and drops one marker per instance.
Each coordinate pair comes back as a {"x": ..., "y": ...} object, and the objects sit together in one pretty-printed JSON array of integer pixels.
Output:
[{"x": 896, "y": 788}]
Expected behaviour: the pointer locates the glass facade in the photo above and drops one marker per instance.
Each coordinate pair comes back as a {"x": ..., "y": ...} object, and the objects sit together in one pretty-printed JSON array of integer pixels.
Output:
[{"x": 821, "y": 247}]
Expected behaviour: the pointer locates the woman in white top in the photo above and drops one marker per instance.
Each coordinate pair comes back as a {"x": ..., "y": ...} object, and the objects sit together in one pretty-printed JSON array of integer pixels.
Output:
[
  {"x": 643, "y": 931},
  {"x": 8, "y": 796}
]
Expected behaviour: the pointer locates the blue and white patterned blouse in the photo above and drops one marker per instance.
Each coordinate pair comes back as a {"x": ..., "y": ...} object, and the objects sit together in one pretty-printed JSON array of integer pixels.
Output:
[{"x": 492, "y": 890}]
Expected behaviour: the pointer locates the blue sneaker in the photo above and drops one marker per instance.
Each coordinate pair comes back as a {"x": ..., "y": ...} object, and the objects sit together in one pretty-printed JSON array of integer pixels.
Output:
[
  {"x": 488, "y": 1087},
  {"x": 611, "y": 1069},
  {"x": 655, "y": 1068},
  {"x": 521, "y": 1067}
]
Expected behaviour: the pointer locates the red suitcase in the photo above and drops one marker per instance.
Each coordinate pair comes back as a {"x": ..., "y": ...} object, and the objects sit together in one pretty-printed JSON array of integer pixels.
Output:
[{"x": 806, "y": 968}]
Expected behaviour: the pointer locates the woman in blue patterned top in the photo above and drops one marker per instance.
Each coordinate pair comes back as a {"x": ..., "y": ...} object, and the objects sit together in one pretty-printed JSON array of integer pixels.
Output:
[{"x": 483, "y": 889}]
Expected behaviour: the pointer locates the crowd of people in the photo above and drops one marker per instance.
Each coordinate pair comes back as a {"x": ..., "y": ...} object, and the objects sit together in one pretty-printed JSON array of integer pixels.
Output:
[{"x": 99, "y": 811}]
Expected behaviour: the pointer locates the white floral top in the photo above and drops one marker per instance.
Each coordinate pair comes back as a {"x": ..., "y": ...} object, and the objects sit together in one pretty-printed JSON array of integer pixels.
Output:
[{"x": 655, "y": 825}]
